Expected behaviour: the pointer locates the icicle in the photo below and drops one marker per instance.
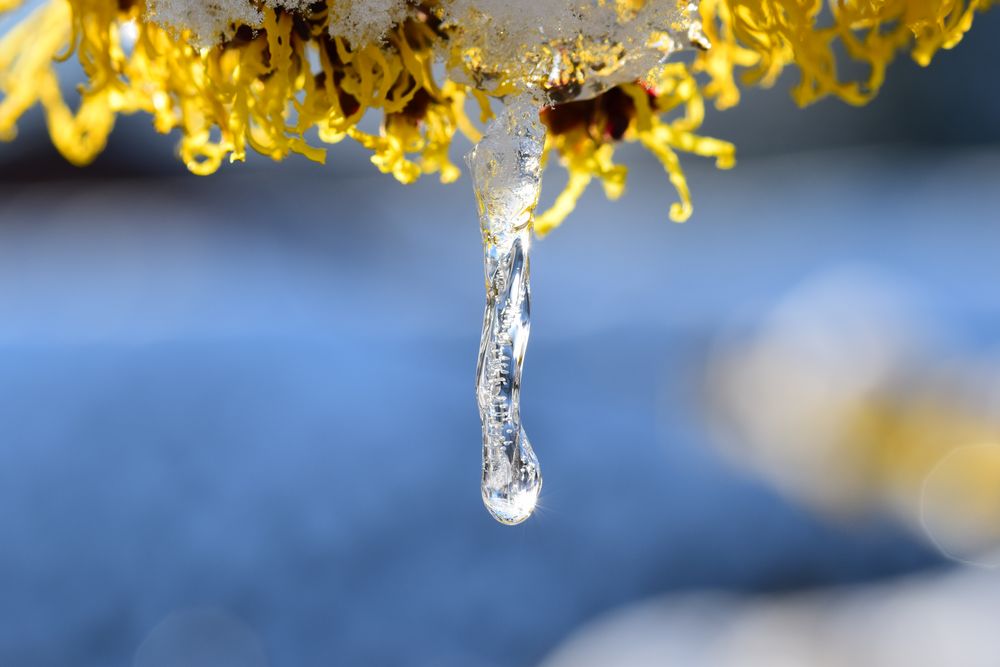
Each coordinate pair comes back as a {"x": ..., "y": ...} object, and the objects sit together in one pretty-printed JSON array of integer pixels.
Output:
[{"x": 506, "y": 171}]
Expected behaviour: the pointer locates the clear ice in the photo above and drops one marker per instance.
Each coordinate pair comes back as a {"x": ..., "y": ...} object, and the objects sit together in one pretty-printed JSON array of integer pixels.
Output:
[
  {"x": 590, "y": 49},
  {"x": 506, "y": 171}
]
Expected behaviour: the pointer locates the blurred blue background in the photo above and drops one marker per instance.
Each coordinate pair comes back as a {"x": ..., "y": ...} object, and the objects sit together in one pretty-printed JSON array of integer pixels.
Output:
[{"x": 237, "y": 420}]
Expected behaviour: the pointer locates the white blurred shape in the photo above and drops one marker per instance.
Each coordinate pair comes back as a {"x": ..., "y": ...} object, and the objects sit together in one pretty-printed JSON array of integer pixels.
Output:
[
  {"x": 785, "y": 391},
  {"x": 927, "y": 620},
  {"x": 128, "y": 32}
]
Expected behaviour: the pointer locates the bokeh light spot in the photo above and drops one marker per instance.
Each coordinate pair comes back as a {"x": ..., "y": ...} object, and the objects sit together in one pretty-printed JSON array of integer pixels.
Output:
[{"x": 960, "y": 505}]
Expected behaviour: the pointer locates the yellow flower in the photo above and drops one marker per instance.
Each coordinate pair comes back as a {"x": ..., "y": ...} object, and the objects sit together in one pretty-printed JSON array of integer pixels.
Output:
[
  {"x": 288, "y": 85},
  {"x": 266, "y": 88},
  {"x": 766, "y": 36},
  {"x": 584, "y": 134}
]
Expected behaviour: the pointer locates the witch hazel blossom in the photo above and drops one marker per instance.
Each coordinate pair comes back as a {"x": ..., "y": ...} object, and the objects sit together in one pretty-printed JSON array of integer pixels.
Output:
[{"x": 297, "y": 76}]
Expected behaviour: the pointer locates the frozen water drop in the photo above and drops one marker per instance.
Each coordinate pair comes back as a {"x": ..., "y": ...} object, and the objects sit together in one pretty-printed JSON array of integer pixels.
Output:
[
  {"x": 506, "y": 172},
  {"x": 510, "y": 491}
]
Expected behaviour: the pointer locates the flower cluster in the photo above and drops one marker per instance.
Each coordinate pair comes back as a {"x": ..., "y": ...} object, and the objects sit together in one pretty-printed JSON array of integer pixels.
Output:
[{"x": 293, "y": 76}]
